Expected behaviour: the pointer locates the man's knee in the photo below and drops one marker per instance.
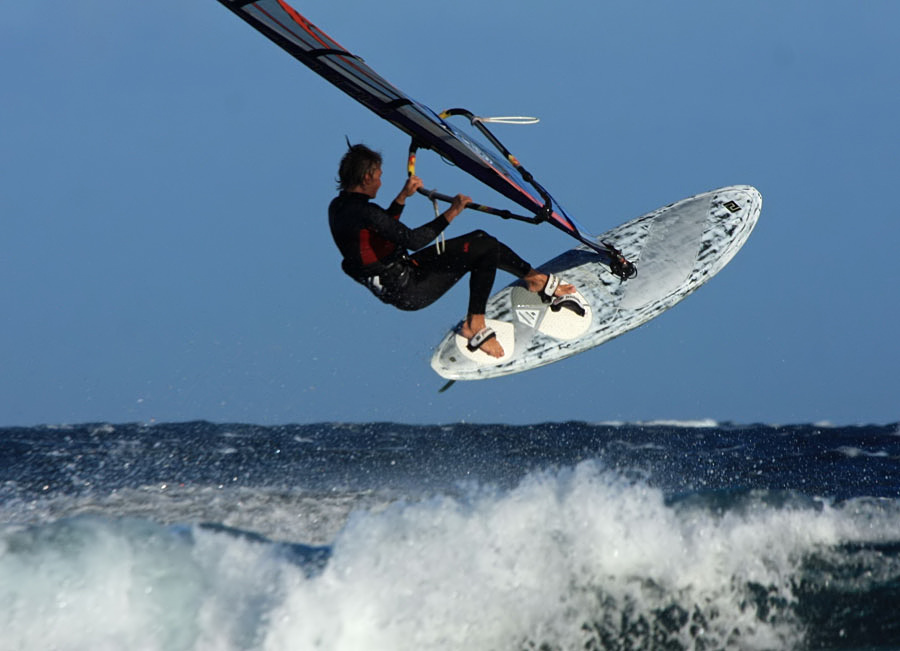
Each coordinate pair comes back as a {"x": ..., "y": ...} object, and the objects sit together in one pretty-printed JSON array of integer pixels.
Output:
[{"x": 481, "y": 241}]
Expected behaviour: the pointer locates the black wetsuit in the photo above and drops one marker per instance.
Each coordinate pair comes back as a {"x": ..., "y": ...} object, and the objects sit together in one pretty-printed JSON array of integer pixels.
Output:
[{"x": 375, "y": 246}]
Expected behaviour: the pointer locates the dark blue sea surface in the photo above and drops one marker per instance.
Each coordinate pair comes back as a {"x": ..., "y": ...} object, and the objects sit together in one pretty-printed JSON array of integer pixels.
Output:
[{"x": 389, "y": 536}]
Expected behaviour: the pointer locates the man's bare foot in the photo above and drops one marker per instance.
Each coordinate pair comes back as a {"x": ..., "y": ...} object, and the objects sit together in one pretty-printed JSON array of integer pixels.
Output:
[
  {"x": 471, "y": 326},
  {"x": 536, "y": 281}
]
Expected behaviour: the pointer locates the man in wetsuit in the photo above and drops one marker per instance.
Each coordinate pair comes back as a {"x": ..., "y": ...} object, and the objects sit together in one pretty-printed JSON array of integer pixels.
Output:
[{"x": 376, "y": 244}]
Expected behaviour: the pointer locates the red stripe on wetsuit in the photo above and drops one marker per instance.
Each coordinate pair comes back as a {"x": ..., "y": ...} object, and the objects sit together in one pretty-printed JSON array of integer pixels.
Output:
[{"x": 374, "y": 248}]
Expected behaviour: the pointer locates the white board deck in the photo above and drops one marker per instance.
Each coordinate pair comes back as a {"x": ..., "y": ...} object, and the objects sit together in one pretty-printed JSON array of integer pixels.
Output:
[{"x": 676, "y": 250}]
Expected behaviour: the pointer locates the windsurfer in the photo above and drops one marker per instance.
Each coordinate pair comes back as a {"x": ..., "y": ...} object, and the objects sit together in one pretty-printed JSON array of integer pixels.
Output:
[{"x": 376, "y": 244}]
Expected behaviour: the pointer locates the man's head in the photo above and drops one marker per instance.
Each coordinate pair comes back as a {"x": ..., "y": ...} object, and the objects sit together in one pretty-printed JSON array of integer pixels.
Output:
[{"x": 360, "y": 170}]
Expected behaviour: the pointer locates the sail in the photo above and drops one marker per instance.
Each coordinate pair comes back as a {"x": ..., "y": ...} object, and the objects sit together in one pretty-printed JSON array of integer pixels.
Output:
[{"x": 494, "y": 167}]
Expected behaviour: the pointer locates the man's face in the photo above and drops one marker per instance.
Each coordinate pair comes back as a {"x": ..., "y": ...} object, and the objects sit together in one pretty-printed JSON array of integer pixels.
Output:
[{"x": 372, "y": 182}]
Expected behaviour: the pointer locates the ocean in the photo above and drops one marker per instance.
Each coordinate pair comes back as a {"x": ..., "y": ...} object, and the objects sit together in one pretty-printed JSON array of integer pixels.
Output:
[{"x": 384, "y": 536}]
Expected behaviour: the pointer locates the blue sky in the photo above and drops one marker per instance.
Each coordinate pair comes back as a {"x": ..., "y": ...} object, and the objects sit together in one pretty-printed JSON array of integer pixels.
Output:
[{"x": 165, "y": 173}]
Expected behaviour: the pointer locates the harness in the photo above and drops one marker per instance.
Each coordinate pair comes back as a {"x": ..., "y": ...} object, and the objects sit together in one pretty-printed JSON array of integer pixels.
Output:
[{"x": 390, "y": 281}]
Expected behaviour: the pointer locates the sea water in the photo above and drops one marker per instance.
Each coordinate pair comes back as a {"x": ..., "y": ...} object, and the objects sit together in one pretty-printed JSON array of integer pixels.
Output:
[{"x": 383, "y": 536}]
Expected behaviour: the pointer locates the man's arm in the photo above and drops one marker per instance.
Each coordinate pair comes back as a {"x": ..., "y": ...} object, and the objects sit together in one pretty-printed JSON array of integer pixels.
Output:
[
  {"x": 413, "y": 183},
  {"x": 413, "y": 238}
]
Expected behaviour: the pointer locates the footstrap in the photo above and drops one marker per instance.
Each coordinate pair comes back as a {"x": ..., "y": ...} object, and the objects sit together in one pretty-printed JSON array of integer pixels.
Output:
[
  {"x": 569, "y": 302},
  {"x": 549, "y": 290},
  {"x": 478, "y": 339}
]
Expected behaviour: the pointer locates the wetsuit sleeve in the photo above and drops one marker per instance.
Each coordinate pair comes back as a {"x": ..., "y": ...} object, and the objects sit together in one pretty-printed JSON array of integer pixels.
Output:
[
  {"x": 397, "y": 232},
  {"x": 394, "y": 210}
]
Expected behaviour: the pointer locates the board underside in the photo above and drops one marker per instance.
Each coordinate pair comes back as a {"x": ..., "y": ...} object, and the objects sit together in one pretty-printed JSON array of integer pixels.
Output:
[{"x": 676, "y": 250}]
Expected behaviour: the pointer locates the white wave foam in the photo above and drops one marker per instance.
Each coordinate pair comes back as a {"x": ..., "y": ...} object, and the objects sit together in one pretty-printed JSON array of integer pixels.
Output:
[
  {"x": 853, "y": 452},
  {"x": 559, "y": 560},
  {"x": 122, "y": 584},
  {"x": 699, "y": 423},
  {"x": 563, "y": 559},
  {"x": 702, "y": 423}
]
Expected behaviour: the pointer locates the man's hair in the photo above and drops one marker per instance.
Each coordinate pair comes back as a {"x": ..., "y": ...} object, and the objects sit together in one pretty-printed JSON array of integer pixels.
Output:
[{"x": 355, "y": 164}]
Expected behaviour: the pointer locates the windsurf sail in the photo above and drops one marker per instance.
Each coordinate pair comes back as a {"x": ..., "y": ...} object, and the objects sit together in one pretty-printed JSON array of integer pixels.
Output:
[{"x": 490, "y": 163}]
